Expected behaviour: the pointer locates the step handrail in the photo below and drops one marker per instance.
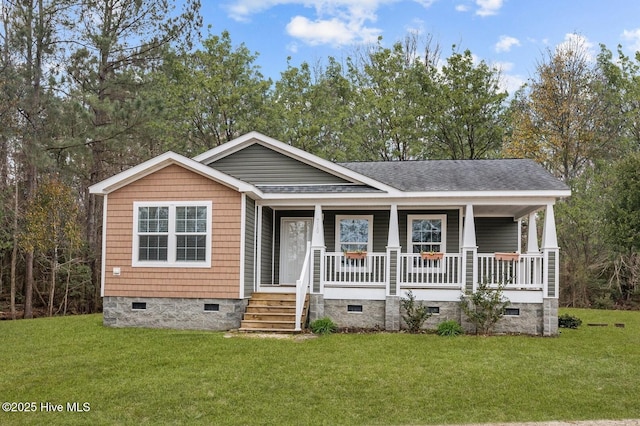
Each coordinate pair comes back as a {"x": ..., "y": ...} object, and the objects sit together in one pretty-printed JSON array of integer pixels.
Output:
[{"x": 302, "y": 286}]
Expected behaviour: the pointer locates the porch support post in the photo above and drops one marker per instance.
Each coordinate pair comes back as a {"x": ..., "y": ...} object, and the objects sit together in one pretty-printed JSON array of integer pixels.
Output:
[
  {"x": 393, "y": 251},
  {"x": 392, "y": 303},
  {"x": 550, "y": 273},
  {"x": 317, "y": 251},
  {"x": 258, "y": 261},
  {"x": 469, "y": 252},
  {"x": 532, "y": 235},
  {"x": 316, "y": 298}
]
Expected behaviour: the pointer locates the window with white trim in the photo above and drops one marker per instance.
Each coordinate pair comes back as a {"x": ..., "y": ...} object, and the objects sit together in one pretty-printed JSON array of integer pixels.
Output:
[
  {"x": 354, "y": 234},
  {"x": 172, "y": 234},
  {"x": 426, "y": 233}
]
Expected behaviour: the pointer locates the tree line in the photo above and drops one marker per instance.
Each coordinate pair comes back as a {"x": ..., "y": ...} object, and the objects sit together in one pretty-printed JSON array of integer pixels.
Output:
[{"x": 89, "y": 88}]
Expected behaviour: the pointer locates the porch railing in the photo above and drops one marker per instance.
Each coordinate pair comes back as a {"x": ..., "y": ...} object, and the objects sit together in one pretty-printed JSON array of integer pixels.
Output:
[
  {"x": 414, "y": 270},
  {"x": 343, "y": 271},
  {"x": 302, "y": 287},
  {"x": 524, "y": 272}
]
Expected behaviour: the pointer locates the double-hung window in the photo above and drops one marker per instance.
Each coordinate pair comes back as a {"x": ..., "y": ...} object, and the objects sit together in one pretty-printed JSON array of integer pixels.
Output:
[
  {"x": 354, "y": 234},
  {"x": 172, "y": 234},
  {"x": 427, "y": 233}
]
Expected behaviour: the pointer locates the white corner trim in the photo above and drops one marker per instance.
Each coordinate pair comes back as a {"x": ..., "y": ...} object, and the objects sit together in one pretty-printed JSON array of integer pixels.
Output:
[
  {"x": 103, "y": 266},
  {"x": 243, "y": 235}
]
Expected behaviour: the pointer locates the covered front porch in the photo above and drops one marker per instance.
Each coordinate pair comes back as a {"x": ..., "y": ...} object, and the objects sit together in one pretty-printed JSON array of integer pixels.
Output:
[{"x": 437, "y": 266}]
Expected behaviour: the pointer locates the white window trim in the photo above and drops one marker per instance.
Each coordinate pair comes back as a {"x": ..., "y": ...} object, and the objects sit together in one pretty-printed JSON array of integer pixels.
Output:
[
  {"x": 368, "y": 217},
  {"x": 367, "y": 263},
  {"x": 171, "y": 261},
  {"x": 443, "y": 243}
]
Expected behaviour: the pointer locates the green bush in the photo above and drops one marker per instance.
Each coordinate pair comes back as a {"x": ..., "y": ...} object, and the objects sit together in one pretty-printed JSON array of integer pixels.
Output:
[
  {"x": 415, "y": 313},
  {"x": 569, "y": 321},
  {"x": 323, "y": 326},
  {"x": 449, "y": 328},
  {"x": 484, "y": 307}
]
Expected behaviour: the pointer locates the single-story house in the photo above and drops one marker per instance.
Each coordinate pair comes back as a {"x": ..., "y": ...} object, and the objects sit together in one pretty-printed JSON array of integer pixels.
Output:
[{"x": 222, "y": 240}]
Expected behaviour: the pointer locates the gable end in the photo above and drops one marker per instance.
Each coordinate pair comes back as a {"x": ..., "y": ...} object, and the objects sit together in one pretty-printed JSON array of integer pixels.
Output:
[{"x": 260, "y": 165}]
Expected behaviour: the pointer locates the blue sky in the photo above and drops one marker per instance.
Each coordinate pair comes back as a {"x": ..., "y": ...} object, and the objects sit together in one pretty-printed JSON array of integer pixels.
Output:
[{"x": 511, "y": 34}]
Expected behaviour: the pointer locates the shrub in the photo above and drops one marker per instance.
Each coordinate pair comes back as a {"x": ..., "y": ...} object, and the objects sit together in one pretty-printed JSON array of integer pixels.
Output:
[
  {"x": 323, "y": 326},
  {"x": 484, "y": 307},
  {"x": 449, "y": 328},
  {"x": 415, "y": 313},
  {"x": 569, "y": 321}
]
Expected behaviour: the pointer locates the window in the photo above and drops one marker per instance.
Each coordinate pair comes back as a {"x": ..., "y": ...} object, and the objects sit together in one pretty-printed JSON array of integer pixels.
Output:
[
  {"x": 354, "y": 308},
  {"x": 354, "y": 234},
  {"x": 172, "y": 234},
  {"x": 426, "y": 233},
  {"x": 512, "y": 312},
  {"x": 433, "y": 310},
  {"x": 139, "y": 305}
]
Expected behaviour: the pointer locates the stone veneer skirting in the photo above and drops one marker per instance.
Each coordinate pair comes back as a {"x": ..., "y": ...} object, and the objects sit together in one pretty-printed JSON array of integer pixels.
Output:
[
  {"x": 532, "y": 318},
  {"x": 177, "y": 313},
  {"x": 174, "y": 313}
]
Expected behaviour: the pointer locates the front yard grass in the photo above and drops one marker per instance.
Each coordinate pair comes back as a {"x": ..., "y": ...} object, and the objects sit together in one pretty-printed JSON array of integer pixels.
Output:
[{"x": 142, "y": 376}]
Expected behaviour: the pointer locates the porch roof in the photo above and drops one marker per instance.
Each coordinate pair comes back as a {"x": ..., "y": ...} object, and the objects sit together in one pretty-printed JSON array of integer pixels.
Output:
[
  {"x": 460, "y": 175},
  {"x": 316, "y": 189}
]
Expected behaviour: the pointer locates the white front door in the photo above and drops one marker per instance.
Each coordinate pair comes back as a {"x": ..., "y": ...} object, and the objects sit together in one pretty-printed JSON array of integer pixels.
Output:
[{"x": 295, "y": 233}]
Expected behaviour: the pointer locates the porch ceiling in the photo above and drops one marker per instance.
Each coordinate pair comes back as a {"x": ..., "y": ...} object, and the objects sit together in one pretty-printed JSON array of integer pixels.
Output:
[{"x": 517, "y": 211}]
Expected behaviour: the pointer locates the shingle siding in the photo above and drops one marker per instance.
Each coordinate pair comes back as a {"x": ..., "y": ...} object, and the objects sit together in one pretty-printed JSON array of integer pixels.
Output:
[{"x": 168, "y": 184}]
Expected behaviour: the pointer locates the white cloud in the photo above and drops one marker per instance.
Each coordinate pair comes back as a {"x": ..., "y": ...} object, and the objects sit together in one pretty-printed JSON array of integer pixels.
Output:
[
  {"x": 462, "y": 8},
  {"x": 292, "y": 47},
  {"x": 573, "y": 42},
  {"x": 336, "y": 22},
  {"x": 488, "y": 7},
  {"x": 508, "y": 82},
  {"x": 240, "y": 10},
  {"x": 330, "y": 31},
  {"x": 633, "y": 36},
  {"x": 505, "y": 43},
  {"x": 425, "y": 3}
]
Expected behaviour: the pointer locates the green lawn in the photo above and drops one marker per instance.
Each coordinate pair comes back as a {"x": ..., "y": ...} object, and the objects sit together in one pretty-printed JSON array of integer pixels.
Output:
[{"x": 139, "y": 376}]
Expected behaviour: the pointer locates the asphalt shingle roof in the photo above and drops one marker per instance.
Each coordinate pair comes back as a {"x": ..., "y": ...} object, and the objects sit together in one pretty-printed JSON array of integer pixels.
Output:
[
  {"x": 460, "y": 175},
  {"x": 316, "y": 189}
]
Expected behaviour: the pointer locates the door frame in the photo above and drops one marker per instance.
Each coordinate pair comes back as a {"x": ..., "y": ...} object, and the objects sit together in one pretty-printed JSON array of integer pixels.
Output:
[{"x": 281, "y": 247}]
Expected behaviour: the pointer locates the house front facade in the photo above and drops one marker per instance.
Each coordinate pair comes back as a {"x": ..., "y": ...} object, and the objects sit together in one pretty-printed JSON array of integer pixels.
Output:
[{"x": 188, "y": 243}]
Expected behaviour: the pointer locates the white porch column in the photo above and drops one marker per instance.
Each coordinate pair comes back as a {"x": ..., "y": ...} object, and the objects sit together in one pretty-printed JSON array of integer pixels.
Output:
[
  {"x": 393, "y": 252},
  {"x": 317, "y": 250},
  {"x": 550, "y": 251},
  {"x": 550, "y": 273},
  {"x": 317, "y": 238},
  {"x": 258, "y": 239},
  {"x": 392, "y": 302},
  {"x": 316, "y": 298},
  {"x": 469, "y": 252},
  {"x": 532, "y": 234}
]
